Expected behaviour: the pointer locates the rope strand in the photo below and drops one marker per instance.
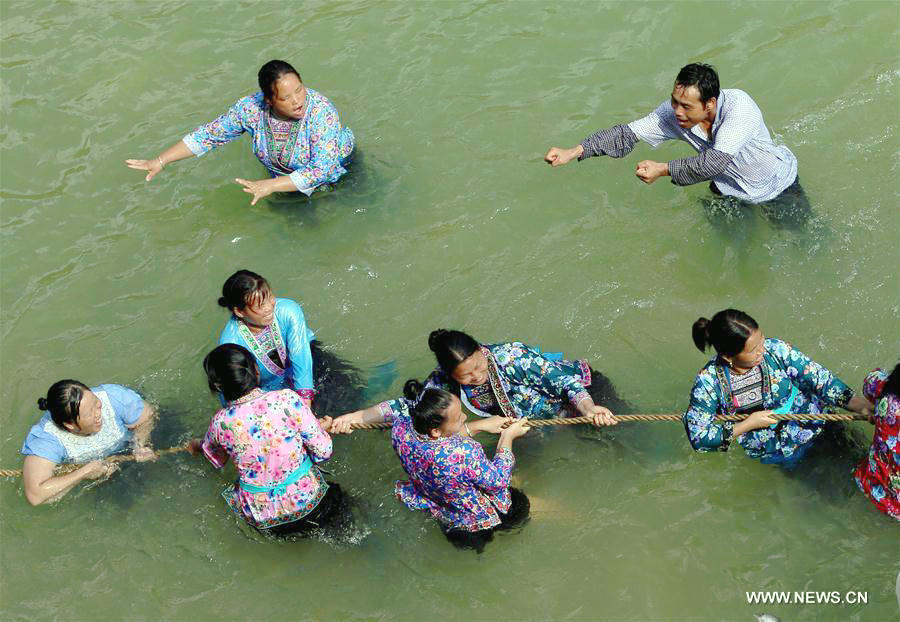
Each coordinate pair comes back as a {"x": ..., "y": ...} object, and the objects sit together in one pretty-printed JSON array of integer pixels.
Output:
[{"x": 533, "y": 423}]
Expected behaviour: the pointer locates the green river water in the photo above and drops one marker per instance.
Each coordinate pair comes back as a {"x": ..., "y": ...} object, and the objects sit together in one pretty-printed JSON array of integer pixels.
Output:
[{"x": 448, "y": 219}]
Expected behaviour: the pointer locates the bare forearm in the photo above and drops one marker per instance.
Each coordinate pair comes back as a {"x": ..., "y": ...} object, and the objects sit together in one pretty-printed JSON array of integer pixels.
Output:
[
  {"x": 178, "y": 151},
  {"x": 859, "y": 404},
  {"x": 54, "y": 487},
  {"x": 141, "y": 433}
]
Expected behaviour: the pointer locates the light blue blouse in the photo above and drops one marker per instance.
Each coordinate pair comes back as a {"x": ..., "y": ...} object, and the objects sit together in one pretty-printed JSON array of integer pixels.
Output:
[
  {"x": 46, "y": 440},
  {"x": 294, "y": 336}
]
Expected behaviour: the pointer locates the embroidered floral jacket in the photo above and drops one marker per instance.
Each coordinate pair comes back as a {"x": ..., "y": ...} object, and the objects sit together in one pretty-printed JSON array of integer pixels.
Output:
[
  {"x": 783, "y": 367},
  {"x": 878, "y": 475},
  {"x": 522, "y": 382},
  {"x": 316, "y": 149},
  {"x": 269, "y": 436}
]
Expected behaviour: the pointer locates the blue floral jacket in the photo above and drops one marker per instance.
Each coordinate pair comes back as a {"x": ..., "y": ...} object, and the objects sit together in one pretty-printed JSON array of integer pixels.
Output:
[
  {"x": 783, "y": 368},
  {"x": 522, "y": 382}
]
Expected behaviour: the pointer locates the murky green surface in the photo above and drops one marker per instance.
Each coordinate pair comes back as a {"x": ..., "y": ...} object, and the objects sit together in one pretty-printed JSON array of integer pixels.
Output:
[{"x": 449, "y": 219}]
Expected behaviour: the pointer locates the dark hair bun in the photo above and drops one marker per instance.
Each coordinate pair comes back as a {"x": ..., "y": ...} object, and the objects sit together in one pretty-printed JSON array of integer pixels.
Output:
[
  {"x": 42, "y": 403},
  {"x": 700, "y": 333},
  {"x": 435, "y": 339},
  {"x": 412, "y": 388},
  {"x": 223, "y": 302}
]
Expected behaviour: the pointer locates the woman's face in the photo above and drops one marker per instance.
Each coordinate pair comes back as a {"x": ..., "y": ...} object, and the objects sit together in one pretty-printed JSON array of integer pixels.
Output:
[
  {"x": 752, "y": 354},
  {"x": 90, "y": 416},
  {"x": 288, "y": 97},
  {"x": 454, "y": 419},
  {"x": 473, "y": 370},
  {"x": 259, "y": 310}
]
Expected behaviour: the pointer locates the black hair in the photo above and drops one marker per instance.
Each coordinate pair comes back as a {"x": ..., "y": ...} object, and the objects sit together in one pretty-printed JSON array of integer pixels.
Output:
[
  {"x": 239, "y": 287},
  {"x": 701, "y": 75},
  {"x": 231, "y": 370},
  {"x": 727, "y": 332},
  {"x": 63, "y": 401},
  {"x": 892, "y": 384},
  {"x": 270, "y": 73},
  {"x": 430, "y": 410},
  {"x": 451, "y": 347}
]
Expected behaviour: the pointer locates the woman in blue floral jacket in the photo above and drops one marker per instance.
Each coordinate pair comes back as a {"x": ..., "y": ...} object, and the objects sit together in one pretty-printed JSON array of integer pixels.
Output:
[
  {"x": 756, "y": 376},
  {"x": 512, "y": 380}
]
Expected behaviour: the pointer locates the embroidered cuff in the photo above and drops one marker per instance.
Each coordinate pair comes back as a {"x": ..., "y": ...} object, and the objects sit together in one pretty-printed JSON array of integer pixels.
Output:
[
  {"x": 844, "y": 398},
  {"x": 194, "y": 145},
  {"x": 387, "y": 413},
  {"x": 578, "y": 397},
  {"x": 727, "y": 435},
  {"x": 306, "y": 394},
  {"x": 504, "y": 453},
  {"x": 300, "y": 184}
]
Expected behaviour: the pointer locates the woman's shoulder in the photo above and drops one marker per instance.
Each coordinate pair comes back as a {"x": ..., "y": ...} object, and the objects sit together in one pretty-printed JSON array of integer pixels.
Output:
[
  {"x": 318, "y": 101},
  {"x": 707, "y": 373},
  {"x": 287, "y": 309},
  {"x": 43, "y": 443},
  {"x": 251, "y": 103},
  {"x": 284, "y": 396},
  {"x": 249, "y": 108},
  {"x": 230, "y": 332}
]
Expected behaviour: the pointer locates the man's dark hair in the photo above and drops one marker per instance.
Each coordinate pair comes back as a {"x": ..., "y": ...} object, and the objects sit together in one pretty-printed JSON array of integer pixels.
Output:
[{"x": 701, "y": 75}]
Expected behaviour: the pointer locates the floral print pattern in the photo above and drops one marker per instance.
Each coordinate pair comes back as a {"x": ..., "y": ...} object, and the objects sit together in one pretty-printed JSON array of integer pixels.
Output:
[
  {"x": 878, "y": 475},
  {"x": 525, "y": 383},
  {"x": 268, "y": 437},
  {"x": 451, "y": 478},
  {"x": 783, "y": 367},
  {"x": 321, "y": 145}
]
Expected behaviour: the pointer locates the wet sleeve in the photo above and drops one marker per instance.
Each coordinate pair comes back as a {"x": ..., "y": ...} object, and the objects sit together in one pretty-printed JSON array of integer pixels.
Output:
[
  {"x": 531, "y": 368},
  {"x": 491, "y": 476},
  {"x": 316, "y": 440},
  {"x": 702, "y": 432},
  {"x": 43, "y": 445},
  {"x": 212, "y": 446},
  {"x": 127, "y": 404},
  {"x": 812, "y": 377},
  {"x": 615, "y": 142},
  {"x": 701, "y": 167},
  {"x": 222, "y": 130},
  {"x": 297, "y": 337},
  {"x": 874, "y": 383},
  {"x": 324, "y": 151},
  {"x": 657, "y": 127}
]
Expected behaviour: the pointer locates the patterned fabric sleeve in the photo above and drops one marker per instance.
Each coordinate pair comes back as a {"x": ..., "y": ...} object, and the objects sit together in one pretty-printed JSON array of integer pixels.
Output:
[
  {"x": 316, "y": 440},
  {"x": 324, "y": 150},
  {"x": 296, "y": 340},
  {"x": 391, "y": 409},
  {"x": 213, "y": 448},
  {"x": 810, "y": 376},
  {"x": 491, "y": 476},
  {"x": 874, "y": 383},
  {"x": 615, "y": 142},
  {"x": 530, "y": 367},
  {"x": 703, "y": 433},
  {"x": 701, "y": 167},
  {"x": 224, "y": 129}
]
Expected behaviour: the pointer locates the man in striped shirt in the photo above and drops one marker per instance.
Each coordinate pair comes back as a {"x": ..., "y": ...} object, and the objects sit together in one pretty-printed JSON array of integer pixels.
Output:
[{"x": 725, "y": 126}]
